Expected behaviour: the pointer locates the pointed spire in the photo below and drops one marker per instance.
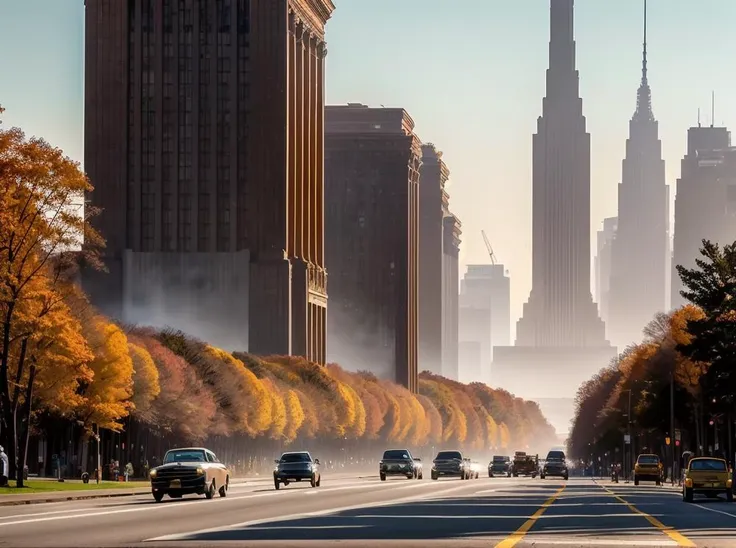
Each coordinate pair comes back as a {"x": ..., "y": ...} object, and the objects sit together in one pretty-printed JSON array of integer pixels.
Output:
[
  {"x": 644, "y": 95},
  {"x": 561, "y": 35}
]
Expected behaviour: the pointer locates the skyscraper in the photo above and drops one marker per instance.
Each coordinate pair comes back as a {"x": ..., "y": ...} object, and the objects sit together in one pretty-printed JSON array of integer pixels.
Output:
[
  {"x": 451, "y": 231},
  {"x": 432, "y": 197},
  {"x": 705, "y": 203},
  {"x": 602, "y": 264},
  {"x": 639, "y": 252},
  {"x": 485, "y": 315},
  {"x": 204, "y": 141},
  {"x": 372, "y": 162},
  {"x": 560, "y": 339}
]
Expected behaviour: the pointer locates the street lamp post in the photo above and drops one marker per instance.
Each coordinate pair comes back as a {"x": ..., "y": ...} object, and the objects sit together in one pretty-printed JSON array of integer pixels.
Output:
[{"x": 672, "y": 426}]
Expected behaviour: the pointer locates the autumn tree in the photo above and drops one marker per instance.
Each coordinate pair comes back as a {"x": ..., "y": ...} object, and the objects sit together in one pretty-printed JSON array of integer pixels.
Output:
[{"x": 42, "y": 228}]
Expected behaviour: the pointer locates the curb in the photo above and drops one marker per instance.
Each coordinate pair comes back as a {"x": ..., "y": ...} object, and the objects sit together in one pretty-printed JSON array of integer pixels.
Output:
[{"x": 86, "y": 496}]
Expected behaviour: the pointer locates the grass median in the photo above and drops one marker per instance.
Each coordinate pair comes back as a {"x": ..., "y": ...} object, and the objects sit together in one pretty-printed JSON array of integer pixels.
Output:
[{"x": 49, "y": 486}]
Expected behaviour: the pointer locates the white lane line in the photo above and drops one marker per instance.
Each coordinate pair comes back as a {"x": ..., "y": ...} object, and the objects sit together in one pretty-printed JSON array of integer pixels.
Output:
[
  {"x": 292, "y": 517},
  {"x": 714, "y": 510},
  {"x": 90, "y": 512}
]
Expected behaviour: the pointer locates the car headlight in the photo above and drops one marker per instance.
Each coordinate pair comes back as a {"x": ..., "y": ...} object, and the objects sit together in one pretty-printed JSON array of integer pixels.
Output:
[
  {"x": 152, "y": 473},
  {"x": 200, "y": 471}
]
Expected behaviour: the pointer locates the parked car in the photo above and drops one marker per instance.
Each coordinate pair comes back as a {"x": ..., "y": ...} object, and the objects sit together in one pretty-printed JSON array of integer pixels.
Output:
[
  {"x": 400, "y": 462},
  {"x": 190, "y": 470},
  {"x": 707, "y": 476},
  {"x": 296, "y": 466}
]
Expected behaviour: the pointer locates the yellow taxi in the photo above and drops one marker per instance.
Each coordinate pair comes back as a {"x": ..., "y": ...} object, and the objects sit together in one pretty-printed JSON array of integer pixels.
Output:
[
  {"x": 648, "y": 467},
  {"x": 707, "y": 476}
]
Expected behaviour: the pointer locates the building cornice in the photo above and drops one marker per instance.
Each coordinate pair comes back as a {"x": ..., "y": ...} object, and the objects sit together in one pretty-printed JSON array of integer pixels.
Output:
[{"x": 313, "y": 13}]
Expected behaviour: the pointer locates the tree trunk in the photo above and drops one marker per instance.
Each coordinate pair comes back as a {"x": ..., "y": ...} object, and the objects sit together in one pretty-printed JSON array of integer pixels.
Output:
[
  {"x": 5, "y": 412},
  {"x": 14, "y": 404},
  {"x": 27, "y": 407}
]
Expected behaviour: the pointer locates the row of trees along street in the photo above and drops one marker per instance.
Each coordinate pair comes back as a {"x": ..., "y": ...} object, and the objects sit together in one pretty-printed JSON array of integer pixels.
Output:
[
  {"x": 68, "y": 372},
  {"x": 683, "y": 372}
]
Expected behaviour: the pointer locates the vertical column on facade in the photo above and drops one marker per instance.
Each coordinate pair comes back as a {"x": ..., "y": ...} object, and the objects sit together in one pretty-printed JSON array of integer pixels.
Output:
[
  {"x": 299, "y": 128},
  {"x": 291, "y": 198},
  {"x": 234, "y": 109},
  {"x": 174, "y": 171},
  {"x": 193, "y": 213},
  {"x": 313, "y": 160},
  {"x": 308, "y": 179},
  {"x": 158, "y": 214},
  {"x": 135, "y": 245},
  {"x": 214, "y": 85},
  {"x": 320, "y": 154}
]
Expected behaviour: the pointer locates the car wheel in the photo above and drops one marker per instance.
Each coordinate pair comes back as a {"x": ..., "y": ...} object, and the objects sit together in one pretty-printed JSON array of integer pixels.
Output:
[
  {"x": 420, "y": 476},
  {"x": 729, "y": 495},
  {"x": 636, "y": 480},
  {"x": 564, "y": 477},
  {"x": 435, "y": 476},
  {"x": 224, "y": 488},
  {"x": 313, "y": 481},
  {"x": 210, "y": 493},
  {"x": 542, "y": 476},
  {"x": 319, "y": 479},
  {"x": 383, "y": 477},
  {"x": 687, "y": 495},
  {"x": 276, "y": 483},
  {"x": 158, "y": 496}
]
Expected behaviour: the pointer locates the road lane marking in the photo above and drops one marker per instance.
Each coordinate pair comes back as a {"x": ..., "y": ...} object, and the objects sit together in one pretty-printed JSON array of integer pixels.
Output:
[
  {"x": 518, "y": 535},
  {"x": 90, "y": 512},
  {"x": 576, "y": 541},
  {"x": 178, "y": 537},
  {"x": 671, "y": 532},
  {"x": 714, "y": 510}
]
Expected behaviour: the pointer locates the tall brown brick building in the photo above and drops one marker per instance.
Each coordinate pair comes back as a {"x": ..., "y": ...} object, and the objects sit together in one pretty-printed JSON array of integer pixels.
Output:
[
  {"x": 372, "y": 161},
  {"x": 204, "y": 141}
]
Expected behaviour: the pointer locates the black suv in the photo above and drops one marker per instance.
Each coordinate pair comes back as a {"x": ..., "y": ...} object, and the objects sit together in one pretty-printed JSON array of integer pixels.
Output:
[
  {"x": 399, "y": 462},
  {"x": 555, "y": 465}
]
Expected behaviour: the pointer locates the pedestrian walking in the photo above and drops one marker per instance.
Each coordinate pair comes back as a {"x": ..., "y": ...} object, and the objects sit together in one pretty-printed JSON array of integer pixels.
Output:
[{"x": 4, "y": 467}]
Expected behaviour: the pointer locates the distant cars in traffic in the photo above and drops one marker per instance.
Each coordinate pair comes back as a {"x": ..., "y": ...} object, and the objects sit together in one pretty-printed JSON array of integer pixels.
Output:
[
  {"x": 400, "y": 462},
  {"x": 296, "y": 466},
  {"x": 189, "y": 470},
  {"x": 500, "y": 465},
  {"x": 450, "y": 464},
  {"x": 648, "y": 467},
  {"x": 555, "y": 465}
]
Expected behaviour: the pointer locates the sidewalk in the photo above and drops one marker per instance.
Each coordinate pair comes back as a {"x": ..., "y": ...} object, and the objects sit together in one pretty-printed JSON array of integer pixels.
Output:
[{"x": 609, "y": 483}]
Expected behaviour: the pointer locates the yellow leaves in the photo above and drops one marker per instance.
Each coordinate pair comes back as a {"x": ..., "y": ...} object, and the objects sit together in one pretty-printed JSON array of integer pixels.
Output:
[
  {"x": 107, "y": 397},
  {"x": 294, "y": 416},
  {"x": 146, "y": 387}
]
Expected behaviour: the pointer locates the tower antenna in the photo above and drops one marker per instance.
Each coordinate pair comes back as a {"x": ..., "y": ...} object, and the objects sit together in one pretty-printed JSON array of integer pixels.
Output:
[
  {"x": 698, "y": 116},
  {"x": 712, "y": 108},
  {"x": 488, "y": 247}
]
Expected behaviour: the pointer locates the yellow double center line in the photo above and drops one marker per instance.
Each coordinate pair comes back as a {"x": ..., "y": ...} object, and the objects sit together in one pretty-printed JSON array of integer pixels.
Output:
[
  {"x": 519, "y": 534},
  {"x": 674, "y": 534}
]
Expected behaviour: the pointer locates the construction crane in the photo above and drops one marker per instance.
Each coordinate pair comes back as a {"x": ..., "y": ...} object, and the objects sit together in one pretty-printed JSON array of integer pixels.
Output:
[{"x": 488, "y": 246}]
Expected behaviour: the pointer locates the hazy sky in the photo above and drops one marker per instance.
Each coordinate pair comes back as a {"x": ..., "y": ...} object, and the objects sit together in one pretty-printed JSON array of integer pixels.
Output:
[{"x": 470, "y": 73}]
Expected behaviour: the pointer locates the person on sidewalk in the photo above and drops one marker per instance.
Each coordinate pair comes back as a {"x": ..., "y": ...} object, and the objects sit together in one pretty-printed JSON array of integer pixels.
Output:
[{"x": 4, "y": 467}]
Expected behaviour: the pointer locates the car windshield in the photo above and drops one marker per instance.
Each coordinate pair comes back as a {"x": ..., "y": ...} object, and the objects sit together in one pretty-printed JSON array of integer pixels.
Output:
[
  {"x": 395, "y": 454},
  {"x": 711, "y": 465},
  {"x": 449, "y": 455},
  {"x": 295, "y": 457},
  {"x": 555, "y": 455},
  {"x": 648, "y": 459},
  {"x": 500, "y": 459},
  {"x": 184, "y": 455}
]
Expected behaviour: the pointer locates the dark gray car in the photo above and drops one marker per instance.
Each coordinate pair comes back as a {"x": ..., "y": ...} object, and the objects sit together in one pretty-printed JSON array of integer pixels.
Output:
[{"x": 296, "y": 466}]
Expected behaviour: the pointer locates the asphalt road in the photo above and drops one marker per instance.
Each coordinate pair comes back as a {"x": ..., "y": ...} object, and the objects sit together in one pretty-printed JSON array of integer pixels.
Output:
[{"x": 349, "y": 512}]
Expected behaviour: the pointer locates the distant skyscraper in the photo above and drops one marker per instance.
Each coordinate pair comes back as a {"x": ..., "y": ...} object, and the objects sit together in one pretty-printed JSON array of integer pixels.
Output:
[
  {"x": 560, "y": 338},
  {"x": 204, "y": 142},
  {"x": 639, "y": 254},
  {"x": 705, "y": 203},
  {"x": 602, "y": 263},
  {"x": 485, "y": 314},
  {"x": 372, "y": 160},
  {"x": 439, "y": 240},
  {"x": 450, "y": 300}
]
